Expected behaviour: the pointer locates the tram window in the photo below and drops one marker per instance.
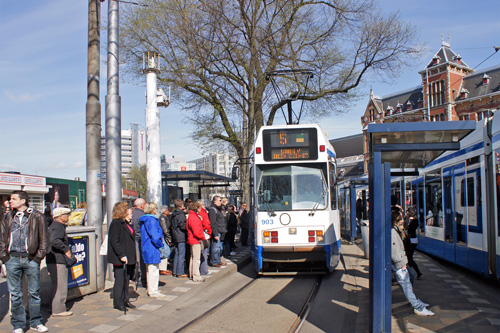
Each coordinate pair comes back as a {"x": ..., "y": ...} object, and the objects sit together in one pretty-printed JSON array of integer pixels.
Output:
[{"x": 434, "y": 205}]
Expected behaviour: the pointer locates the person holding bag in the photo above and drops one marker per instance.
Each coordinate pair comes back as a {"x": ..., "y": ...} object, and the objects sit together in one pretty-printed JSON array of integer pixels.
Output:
[
  {"x": 58, "y": 260},
  {"x": 121, "y": 253},
  {"x": 195, "y": 237}
]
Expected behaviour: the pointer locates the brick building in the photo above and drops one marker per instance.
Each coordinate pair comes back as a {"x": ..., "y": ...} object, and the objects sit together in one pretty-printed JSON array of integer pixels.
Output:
[{"x": 449, "y": 91}]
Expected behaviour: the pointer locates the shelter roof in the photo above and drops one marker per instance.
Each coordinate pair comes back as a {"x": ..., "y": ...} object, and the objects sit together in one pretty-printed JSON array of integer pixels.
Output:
[
  {"x": 414, "y": 145},
  {"x": 196, "y": 175}
]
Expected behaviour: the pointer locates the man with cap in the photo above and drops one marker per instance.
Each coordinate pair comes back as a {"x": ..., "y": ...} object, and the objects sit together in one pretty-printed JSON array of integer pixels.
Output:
[
  {"x": 56, "y": 263},
  {"x": 24, "y": 242}
]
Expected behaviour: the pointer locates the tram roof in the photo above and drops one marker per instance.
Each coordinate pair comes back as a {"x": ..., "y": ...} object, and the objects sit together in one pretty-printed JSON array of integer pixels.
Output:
[
  {"x": 195, "y": 175},
  {"x": 414, "y": 145}
]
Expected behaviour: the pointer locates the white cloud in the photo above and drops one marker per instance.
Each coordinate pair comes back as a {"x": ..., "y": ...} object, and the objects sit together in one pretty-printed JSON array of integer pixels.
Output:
[{"x": 22, "y": 98}]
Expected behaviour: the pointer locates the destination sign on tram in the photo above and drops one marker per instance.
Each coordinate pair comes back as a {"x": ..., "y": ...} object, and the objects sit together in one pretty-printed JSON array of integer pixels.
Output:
[{"x": 290, "y": 144}]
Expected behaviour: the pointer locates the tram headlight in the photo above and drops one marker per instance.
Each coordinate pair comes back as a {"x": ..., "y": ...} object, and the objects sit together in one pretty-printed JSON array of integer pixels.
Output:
[
  {"x": 267, "y": 239},
  {"x": 319, "y": 239},
  {"x": 292, "y": 231}
]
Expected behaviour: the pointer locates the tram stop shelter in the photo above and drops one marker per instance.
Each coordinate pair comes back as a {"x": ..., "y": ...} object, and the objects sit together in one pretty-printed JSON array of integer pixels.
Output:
[
  {"x": 394, "y": 149},
  {"x": 204, "y": 178}
]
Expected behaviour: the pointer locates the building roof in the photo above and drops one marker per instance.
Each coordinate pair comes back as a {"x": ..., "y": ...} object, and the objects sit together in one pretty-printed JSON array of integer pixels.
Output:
[
  {"x": 446, "y": 55},
  {"x": 348, "y": 146},
  {"x": 412, "y": 95},
  {"x": 473, "y": 83}
]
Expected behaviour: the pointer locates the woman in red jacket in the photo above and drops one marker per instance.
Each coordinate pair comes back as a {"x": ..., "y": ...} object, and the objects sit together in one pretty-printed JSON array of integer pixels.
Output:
[
  {"x": 208, "y": 231},
  {"x": 195, "y": 236}
]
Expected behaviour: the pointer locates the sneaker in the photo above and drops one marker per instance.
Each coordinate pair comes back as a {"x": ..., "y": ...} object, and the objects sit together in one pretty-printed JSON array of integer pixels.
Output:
[
  {"x": 40, "y": 328},
  {"x": 63, "y": 314},
  {"x": 232, "y": 253},
  {"x": 424, "y": 312},
  {"x": 419, "y": 277},
  {"x": 18, "y": 330},
  {"x": 208, "y": 274},
  {"x": 199, "y": 280},
  {"x": 157, "y": 295}
]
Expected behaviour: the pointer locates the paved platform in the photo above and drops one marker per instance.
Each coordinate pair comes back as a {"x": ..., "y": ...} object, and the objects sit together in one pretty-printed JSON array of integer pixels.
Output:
[{"x": 463, "y": 302}]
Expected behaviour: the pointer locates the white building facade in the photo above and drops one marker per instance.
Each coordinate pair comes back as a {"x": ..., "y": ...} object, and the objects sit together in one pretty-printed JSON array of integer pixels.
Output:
[{"x": 133, "y": 150}]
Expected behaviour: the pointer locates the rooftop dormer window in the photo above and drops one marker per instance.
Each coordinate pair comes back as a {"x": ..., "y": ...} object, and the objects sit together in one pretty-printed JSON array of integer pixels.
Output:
[
  {"x": 464, "y": 93},
  {"x": 409, "y": 105},
  {"x": 399, "y": 107},
  {"x": 458, "y": 59},
  {"x": 420, "y": 102},
  {"x": 435, "y": 60},
  {"x": 486, "y": 79},
  {"x": 389, "y": 110}
]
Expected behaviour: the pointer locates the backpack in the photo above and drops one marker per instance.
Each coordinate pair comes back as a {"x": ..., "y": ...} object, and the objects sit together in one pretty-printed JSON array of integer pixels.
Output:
[{"x": 77, "y": 218}]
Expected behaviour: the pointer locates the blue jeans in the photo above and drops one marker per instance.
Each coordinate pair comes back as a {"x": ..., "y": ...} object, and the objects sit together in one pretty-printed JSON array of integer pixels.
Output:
[
  {"x": 180, "y": 255},
  {"x": 204, "y": 262},
  {"x": 215, "y": 248},
  {"x": 403, "y": 278},
  {"x": 16, "y": 267}
]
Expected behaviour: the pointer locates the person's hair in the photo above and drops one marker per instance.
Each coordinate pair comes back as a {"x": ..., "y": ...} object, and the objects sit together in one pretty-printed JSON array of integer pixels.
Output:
[
  {"x": 188, "y": 199},
  {"x": 163, "y": 209},
  {"x": 138, "y": 202},
  {"x": 215, "y": 198},
  {"x": 411, "y": 212},
  {"x": 82, "y": 204},
  {"x": 243, "y": 203},
  {"x": 120, "y": 210},
  {"x": 395, "y": 217},
  {"x": 224, "y": 201},
  {"x": 150, "y": 207},
  {"x": 178, "y": 203},
  {"x": 195, "y": 206},
  {"x": 22, "y": 195},
  {"x": 201, "y": 202}
]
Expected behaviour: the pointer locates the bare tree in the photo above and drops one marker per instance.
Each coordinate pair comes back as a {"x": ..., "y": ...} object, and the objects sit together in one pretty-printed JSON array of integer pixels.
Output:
[{"x": 217, "y": 52}]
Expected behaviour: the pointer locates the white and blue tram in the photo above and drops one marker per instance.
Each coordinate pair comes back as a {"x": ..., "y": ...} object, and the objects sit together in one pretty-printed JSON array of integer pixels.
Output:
[
  {"x": 293, "y": 186},
  {"x": 457, "y": 200}
]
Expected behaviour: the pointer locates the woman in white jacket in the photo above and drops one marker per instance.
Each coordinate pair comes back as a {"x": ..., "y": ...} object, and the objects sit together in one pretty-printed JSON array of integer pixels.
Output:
[{"x": 399, "y": 265}]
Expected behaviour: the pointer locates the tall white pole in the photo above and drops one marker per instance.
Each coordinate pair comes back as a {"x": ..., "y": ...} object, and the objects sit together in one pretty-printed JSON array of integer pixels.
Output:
[
  {"x": 113, "y": 114},
  {"x": 153, "y": 161}
]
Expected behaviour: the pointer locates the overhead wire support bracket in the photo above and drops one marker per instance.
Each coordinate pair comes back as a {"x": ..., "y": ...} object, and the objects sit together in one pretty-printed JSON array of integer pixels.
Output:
[{"x": 292, "y": 96}]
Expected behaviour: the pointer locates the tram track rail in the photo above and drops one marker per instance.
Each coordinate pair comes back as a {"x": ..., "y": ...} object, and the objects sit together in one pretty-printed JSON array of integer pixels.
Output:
[{"x": 294, "y": 328}]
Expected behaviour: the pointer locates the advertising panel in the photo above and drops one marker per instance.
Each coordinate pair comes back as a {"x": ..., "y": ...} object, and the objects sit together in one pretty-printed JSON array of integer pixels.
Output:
[{"x": 78, "y": 274}]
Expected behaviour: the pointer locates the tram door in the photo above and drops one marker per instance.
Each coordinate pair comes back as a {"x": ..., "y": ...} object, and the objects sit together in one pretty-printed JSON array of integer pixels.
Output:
[{"x": 455, "y": 217}]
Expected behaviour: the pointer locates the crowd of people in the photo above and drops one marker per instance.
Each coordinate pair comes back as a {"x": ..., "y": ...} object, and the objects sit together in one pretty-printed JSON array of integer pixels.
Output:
[{"x": 143, "y": 241}]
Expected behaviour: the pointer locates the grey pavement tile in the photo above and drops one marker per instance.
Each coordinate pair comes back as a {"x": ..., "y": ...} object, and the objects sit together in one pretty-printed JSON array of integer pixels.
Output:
[
  {"x": 468, "y": 293},
  {"x": 104, "y": 328},
  {"x": 149, "y": 307},
  {"x": 494, "y": 321},
  {"x": 181, "y": 289},
  {"x": 478, "y": 300},
  {"x": 444, "y": 276},
  {"x": 129, "y": 317},
  {"x": 488, "y": 310},
  {"x": 458, "y": 286}
]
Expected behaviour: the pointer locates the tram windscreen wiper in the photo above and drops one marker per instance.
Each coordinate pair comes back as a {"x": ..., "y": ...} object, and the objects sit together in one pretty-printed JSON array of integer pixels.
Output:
[
  {"x": 266, "y": 202},
  {"x": 322, "y": 196}
]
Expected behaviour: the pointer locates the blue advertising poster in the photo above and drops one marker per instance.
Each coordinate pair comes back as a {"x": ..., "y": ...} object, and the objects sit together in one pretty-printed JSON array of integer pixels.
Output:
[{"x": 78, "y": 274}]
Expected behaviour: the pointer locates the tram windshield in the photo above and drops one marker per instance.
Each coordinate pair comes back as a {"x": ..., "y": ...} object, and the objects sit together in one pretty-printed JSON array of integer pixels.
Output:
[{"x": 291, "y": 187}]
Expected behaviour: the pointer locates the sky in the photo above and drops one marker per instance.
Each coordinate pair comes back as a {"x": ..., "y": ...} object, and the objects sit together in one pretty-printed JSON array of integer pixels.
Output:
[{"x": 43, "y": 79}]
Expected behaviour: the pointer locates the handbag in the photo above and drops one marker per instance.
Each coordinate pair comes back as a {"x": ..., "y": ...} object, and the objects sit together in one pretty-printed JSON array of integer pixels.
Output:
[
  {"x": 165, "y": 250},
  {"x": 103, "y": 250},
  {"x": 71, "y": 260},
  {"x": 205, "y": 244}
]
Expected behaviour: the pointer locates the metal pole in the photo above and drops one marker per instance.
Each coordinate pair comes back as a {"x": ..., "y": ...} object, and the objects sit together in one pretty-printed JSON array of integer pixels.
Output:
[
  {"x": 153, "y": 161},
  {"x": 113, "y": 114},
  {"x": 93, "y": 134}
]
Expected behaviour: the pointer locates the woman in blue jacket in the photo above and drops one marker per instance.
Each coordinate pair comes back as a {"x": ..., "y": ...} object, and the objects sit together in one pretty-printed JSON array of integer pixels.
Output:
[{"x": 151, "y": 242}]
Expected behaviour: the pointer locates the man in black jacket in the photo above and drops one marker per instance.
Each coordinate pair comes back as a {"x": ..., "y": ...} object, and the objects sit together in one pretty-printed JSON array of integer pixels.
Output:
[
  {"x": 56, "y": 264},
  {"x": 24, "y": 242},
  {"x": 167, "y": 236},
  {"x": 218, "y": 226},
  {"x": 139, "y": 205},
  {"x": 179, "y": 237}
]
